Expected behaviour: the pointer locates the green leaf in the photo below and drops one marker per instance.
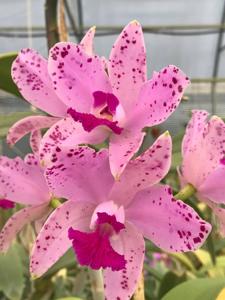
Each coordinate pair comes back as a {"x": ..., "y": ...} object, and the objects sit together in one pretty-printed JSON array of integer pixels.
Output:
[
  {"x": 69, "y": 298},
  {"x": 170, "y": 280},
  {"x": 6, "y": 82},
  {"x": 196, "y": 289},
  {"x": 12, "y": 278}
]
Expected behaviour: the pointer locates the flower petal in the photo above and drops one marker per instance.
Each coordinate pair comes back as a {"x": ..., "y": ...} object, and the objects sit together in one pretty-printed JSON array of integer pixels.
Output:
[
  {"x": 6, "y": 204},
  {"x": 29, "y": 72},
  {"x": 90, "y": 121},
  {"x": 68, "y": 134},
  {"x": 122, "y": 148},
  {"x": 122, "y": 284},
  {"x": 213, "y": 186},
  {"x": 80, "y": 174},
  {"x": 35, "y": 140},
  {"x": 170, "y": 224},
  {"x": 27, "y": 125},
  {"x": 208, "y": 152},
  {"x": 52, "y": 241},
  {"x": 17, "y": 182},
  {"x": 159, "y": 97},
  {"x": 87, "y": 41},
  {"x": 127, "y": 65},
  {"x": 16, "y": 223},
  {"x": 194, "y": 130},
  {"x": 76, "y": 76},
  {"x": 144, "y": 171}
]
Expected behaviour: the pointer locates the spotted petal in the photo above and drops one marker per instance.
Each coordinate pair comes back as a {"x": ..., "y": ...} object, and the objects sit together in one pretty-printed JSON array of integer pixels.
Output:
[
  {"x": 122, "y": 284},
  {"x": 170, "y": 224},
  {"x": 27, "y": 125},
  {"x": 144, "y": 171},
  {"x": 22, "y": 182},
  {"x": 18, "y": 221},
  {"x": 208, "y": 152},
  {"x": 80, "y": 174},
  {"x": 122, "y": 148},
  {"x": 87, "y": 41},
  {"x": 194, "y": 130},
  {"x": 76, "y": 76},
  {"x": 159, "y": 97},
  {"x": 68, "y": 134},
  {"x": 127, "y": 65},
  {"x": 52, "y": 241},
  {"x": 29, "y": 72}
]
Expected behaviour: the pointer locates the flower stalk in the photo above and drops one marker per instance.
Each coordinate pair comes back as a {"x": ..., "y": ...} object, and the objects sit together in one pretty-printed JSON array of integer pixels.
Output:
[
  {"x": 97, "y": 287},
  {"x": 186, "y": 192}
]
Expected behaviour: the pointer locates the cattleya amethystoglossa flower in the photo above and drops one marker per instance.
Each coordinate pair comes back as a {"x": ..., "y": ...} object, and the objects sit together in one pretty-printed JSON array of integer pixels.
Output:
[
  {"x": 23, "y": 182},
  {"x": 105, "y": 220},
  {"x": 30, "y": 73},
  {"x": 6, "y": 204},
  {"x": 203, "y": 165},
  {"x": 97, "y": 104}
]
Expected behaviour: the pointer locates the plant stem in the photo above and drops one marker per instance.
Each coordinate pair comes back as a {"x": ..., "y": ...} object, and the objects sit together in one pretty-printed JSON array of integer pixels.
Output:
[
  {"x": 186, "y": 192},
  {"x": 51, "y": 23},
  {"x": 97, "y": 287},
  {"x": 140, "y": 290}
]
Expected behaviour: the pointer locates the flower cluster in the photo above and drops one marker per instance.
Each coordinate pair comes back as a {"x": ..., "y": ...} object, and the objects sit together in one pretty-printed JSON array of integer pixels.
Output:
[{"x": 112, "y": 198}]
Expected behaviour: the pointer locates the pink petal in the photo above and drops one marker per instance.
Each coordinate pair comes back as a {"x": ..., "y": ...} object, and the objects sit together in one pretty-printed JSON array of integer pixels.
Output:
[
  {"x": 170, "y": 224},
  {"x": 159, "y": 97},
  {"x": 194, "y": 130},
  {"x": 80, "y": 174},
  {"x": 68, "y": 134},
  {"x": 208, "y": 152},
  {"x": 101, "y": 99},
  {"x": 6, "y": 204},
  {"x": 52, "y": 241},
  {"x": 87, "y": 41},
  {"x": 122, "y": 284},
  {"x": 17, "y": 222},
  {"x": 90, "y": 121},
  {"x": 76, "y": 76},
  {"x": 27, "y": 125},
  {"x": 127, "y": 65},
  {"x": 29, "y": 72},
  {"x": 144, "y": 171},
  {"x": 122, "y": 147},
  {"x": 213, "y": 186},
  {"x": 17, "y": 182},
  {"x": 35, "y": 140}
]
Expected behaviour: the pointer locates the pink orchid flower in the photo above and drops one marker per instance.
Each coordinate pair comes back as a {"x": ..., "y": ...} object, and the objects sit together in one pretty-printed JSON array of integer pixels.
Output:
[
  {"x": 23, "y": 182},
  {"x": 30, "y": 73},
  {"x": 203, "y": 165},
  {"x": 116, "y": 103},
  {"x": 107, "y": 219}
]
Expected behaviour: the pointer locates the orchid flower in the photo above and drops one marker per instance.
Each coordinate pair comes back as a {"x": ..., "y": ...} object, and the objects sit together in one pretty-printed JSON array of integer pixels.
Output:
[
  {"x": 30, "y": 73},
  {"x": 105, "y": 220},
  {"x": 203, "y": 165},
  {"x": 23, "y": 182},
  {"x": 116, "y": 103}
]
